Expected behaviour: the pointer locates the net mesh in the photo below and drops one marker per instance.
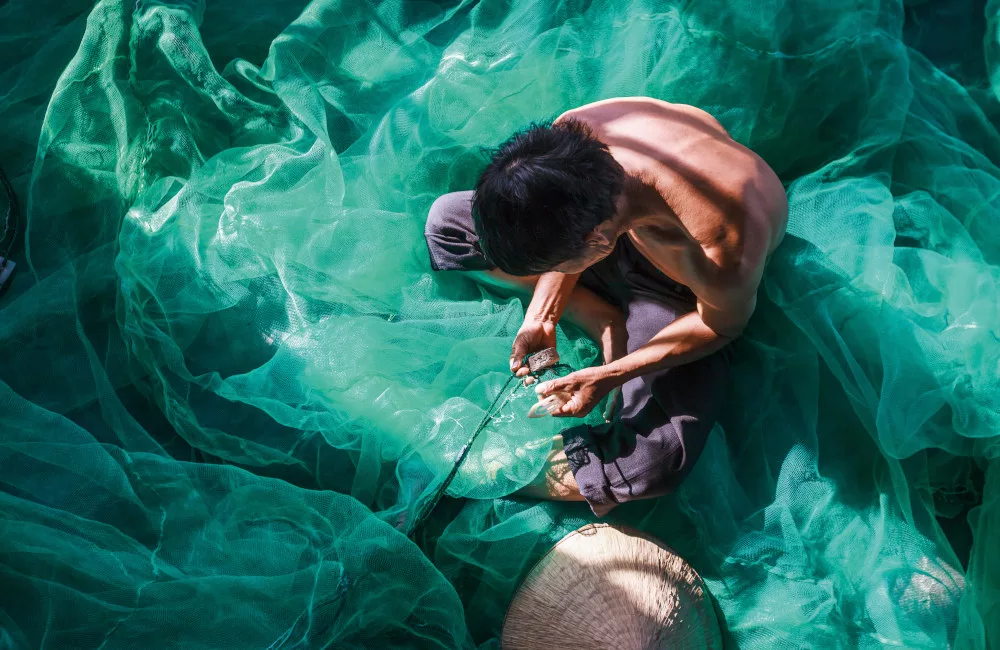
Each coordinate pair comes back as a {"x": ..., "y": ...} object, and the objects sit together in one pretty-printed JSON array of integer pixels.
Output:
[{"x": 229, "y": 377}]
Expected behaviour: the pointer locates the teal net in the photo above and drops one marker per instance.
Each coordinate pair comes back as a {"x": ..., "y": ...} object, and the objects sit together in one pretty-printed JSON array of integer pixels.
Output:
[{"x": 230, "y": 381}]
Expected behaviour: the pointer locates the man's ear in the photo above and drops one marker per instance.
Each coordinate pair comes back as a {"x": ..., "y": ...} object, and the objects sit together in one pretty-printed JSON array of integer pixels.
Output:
[{"x": 597, "y": 239}]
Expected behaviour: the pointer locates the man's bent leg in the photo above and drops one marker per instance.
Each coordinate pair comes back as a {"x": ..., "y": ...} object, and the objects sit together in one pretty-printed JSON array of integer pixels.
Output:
[{"x": 665, "y": 420}]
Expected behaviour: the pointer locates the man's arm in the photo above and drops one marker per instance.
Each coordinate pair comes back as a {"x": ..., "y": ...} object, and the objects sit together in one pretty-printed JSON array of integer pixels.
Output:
[
  {"x": 725, "y": 286},
  {"x": 557, "y": 294},
  {"x": 687, "y": 339},
  {"x": 551, "y": 296}
]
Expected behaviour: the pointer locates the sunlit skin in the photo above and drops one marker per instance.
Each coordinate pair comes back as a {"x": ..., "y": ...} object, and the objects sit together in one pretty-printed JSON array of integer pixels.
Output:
[{"x": 705, "y": 210}]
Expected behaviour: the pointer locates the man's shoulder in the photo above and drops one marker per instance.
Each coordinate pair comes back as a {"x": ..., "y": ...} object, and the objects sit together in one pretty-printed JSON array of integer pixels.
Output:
[
  {"x": 626, "y": 105},
  {"x": 637, "y": 100}
]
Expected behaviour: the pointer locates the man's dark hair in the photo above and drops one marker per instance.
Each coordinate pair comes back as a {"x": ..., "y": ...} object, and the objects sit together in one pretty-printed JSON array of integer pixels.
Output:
[{"x": 543, "y": 191}]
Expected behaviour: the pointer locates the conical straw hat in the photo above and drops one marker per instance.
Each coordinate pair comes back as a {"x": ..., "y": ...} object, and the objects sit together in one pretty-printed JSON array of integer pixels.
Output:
[{"x": 610, "y": 588}]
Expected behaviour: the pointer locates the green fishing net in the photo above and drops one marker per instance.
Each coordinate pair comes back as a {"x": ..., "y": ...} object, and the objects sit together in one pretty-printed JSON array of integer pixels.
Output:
[{"x": 230, "y": 382}]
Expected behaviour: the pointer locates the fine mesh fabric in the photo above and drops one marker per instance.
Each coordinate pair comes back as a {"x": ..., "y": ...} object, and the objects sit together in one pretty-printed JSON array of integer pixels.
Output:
[{"x": 229, "y": 378}]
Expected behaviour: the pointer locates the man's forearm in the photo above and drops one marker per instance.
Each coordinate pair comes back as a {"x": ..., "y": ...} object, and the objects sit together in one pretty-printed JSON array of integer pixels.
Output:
[
  {"x": 551, "y": 296},
  {"x": 557, "y": 294},
  {"x": 685, "y": 340}
]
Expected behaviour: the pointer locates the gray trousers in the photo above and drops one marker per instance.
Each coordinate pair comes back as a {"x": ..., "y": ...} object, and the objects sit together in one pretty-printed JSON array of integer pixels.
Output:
[{"x": 665, "y": 417}]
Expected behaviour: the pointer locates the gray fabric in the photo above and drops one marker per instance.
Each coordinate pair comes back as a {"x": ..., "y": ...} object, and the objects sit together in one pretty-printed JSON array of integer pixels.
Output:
[
  {"x": 665, "y": 417},
  {"x": 451, "y": 237}
]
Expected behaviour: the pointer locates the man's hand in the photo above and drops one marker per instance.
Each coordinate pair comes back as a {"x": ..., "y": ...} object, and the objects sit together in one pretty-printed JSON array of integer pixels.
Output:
[
  {"x": 534, "y": 336},
  {"x": 586, "y": 388}
]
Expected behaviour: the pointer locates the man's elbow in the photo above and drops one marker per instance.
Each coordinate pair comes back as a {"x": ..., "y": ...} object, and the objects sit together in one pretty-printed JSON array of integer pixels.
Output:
[
  {"x": 730, "y": 325},
  {"x": 728, "y": 333}
]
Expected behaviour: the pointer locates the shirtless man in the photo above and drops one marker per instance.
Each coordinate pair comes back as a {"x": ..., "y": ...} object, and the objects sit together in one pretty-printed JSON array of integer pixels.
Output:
[{"x": 649, "y": 227}]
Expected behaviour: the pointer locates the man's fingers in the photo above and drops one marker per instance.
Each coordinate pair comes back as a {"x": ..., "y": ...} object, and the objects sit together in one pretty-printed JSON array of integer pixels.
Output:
[
  {"x": 522, "y": 372},
  {"x": 554, "y": 385},
  {"x": 566, "y": 410}
]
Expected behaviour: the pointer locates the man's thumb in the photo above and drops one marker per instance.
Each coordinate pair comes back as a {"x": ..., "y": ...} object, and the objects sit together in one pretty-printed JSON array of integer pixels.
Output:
[{"x": 517, "y": 353}]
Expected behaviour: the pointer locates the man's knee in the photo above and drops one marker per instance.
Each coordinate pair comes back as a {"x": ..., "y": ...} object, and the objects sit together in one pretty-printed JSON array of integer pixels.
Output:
[
  {"x": 451, "y": 237},
  {"x": 451, "y": 215},
  {"x": 664, "y": 476},
  {"x": 435, "y": 216},
  {"x": 644, "y": 456}
]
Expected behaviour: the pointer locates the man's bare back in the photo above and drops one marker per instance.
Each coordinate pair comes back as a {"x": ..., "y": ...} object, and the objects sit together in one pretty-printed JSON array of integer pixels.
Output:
[{"x": 708, "y": 212}]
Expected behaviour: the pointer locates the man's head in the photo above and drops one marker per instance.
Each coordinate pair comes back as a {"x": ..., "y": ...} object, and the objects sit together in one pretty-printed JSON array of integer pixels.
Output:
[{"x": 547, "y": 200}]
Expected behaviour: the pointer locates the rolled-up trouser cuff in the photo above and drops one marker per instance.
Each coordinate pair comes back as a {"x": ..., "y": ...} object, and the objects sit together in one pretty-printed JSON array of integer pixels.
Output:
[{"x": 590, "y": 476}]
